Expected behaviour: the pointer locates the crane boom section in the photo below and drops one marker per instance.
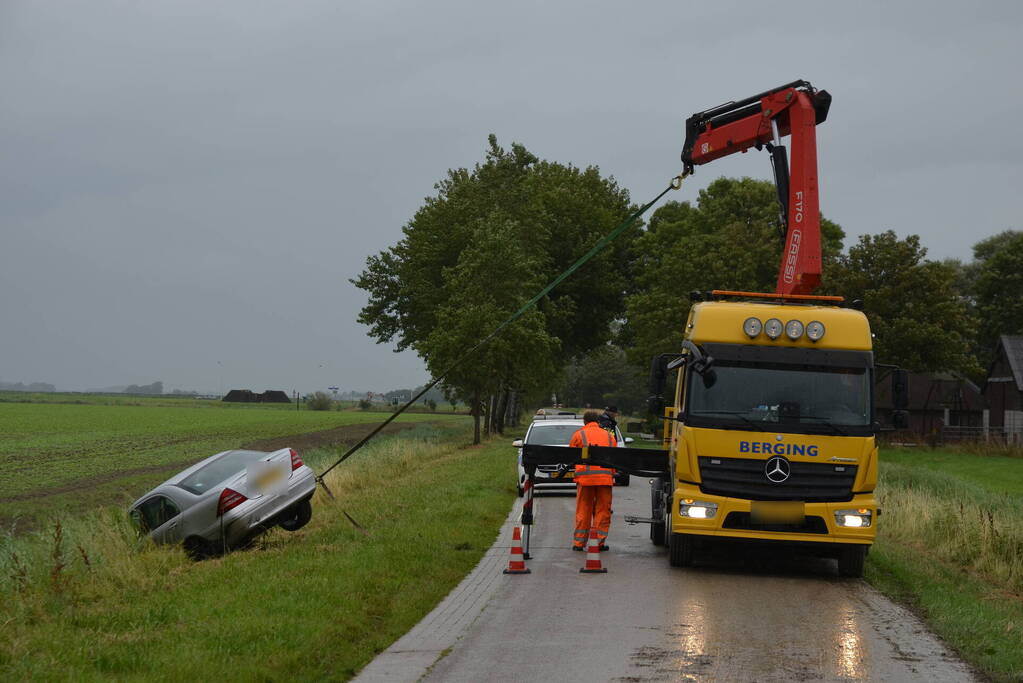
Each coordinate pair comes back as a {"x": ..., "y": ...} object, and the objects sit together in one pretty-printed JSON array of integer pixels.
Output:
[{"x": 761, "y": 121}]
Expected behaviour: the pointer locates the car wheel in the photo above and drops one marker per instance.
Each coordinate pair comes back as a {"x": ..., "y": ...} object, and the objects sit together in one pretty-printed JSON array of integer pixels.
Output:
[
  {"x": 297, "y": 516},
  {"x": 680, "y": 550},
  {"x": 199, "y": 548},
  {"x": 850, "y": 560}
]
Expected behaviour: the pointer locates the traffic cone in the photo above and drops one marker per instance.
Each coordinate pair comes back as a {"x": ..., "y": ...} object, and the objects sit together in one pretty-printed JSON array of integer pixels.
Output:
[
  {"x": 593, "y": 565},
  {"x": 516, "y": 565}
]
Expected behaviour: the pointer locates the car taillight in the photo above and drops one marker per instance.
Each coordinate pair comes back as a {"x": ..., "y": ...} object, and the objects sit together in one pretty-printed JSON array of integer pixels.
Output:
[
  {"x": 296, "y": 460},
  {"x": 229, "y": 500}
]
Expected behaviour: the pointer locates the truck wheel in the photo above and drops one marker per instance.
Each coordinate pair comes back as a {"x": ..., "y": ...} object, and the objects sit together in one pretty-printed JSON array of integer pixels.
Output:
[
  {"x": 850, "y": 560},
  {"x": 680, "y": 550},
  {"x": 657, "y": 533},
  {"x": 656, "y": 528},
  {"x": 297, "y": 516}
]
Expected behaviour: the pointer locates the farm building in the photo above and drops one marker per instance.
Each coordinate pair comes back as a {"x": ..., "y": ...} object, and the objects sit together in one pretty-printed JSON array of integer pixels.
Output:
[
  {"x": 1004, "y": 386},
  {"x": 249, "y": 396},
  {"x": 936, "y": 400}
]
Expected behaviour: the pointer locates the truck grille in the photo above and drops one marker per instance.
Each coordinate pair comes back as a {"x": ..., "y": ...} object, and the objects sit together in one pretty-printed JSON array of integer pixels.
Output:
[
  {"x": 741, "y": 520},
  {"x": 813, "y": 482}
]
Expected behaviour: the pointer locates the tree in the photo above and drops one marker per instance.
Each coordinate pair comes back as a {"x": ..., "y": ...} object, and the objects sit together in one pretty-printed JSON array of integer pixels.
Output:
[
  {"x": 918, "y": 319},
  {"x": 603, "y": 377},
  {"x": 319, "y": 401},
  {"x": 477, "y": 250},
  {"x": 493, "y": 278},
  {"x": 729, "y": 240},
  {"x": 998, "y": 289}
]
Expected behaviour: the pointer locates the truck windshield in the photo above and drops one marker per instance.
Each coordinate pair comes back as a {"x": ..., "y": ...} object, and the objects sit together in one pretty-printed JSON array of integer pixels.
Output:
[{"x": 800, "y": 398}]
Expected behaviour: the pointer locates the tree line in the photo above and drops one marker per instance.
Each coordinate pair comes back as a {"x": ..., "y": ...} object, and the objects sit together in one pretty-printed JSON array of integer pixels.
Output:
[{"x": 494, "y": 235}]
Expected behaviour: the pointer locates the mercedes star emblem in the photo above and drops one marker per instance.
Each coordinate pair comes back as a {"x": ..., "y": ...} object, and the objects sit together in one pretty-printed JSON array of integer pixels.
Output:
[{"x": 777, "y": 469}]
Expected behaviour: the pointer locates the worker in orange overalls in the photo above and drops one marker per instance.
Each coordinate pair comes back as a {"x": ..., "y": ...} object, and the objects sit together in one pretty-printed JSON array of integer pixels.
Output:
[{"x": 592, "y": 485}]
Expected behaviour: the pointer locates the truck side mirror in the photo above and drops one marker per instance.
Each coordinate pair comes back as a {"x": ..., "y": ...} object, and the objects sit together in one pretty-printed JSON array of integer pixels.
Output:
[
  {"x": 657, "y": 382},
  {"x": 655, "y": 405}
]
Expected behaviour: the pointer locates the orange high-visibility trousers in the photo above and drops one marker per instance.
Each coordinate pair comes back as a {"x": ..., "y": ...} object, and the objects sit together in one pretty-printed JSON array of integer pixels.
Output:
[{"x": 592, "y": 510}]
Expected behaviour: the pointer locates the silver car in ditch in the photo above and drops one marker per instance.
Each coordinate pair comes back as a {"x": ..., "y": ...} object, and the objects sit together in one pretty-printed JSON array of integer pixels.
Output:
[{"x": 227, "y": 500}]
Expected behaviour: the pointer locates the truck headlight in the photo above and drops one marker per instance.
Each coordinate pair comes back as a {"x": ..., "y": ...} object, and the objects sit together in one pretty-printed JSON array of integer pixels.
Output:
[
  {"x": 697, "y": 509},
  {"x": 853, "y": 518}
]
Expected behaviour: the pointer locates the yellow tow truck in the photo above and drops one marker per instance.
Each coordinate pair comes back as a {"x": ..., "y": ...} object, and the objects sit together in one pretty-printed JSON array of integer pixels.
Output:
[{"x": 771, "y": 434}]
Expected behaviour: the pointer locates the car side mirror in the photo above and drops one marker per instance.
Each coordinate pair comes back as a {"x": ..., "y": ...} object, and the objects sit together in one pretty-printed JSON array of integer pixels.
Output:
[
  {"x": 138, "y": 522},
  {"x": 517, "y": 443},
  {"x": 629, "y": 439}
]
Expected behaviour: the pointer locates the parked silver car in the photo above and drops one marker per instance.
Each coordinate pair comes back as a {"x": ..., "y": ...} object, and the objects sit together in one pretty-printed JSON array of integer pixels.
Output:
[
  {"x": 227, "y": 500},
  {"x": 557, "y": 430}
]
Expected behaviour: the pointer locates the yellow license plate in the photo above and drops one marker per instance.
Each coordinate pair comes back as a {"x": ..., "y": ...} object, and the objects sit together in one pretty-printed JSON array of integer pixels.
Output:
[{"x": 777, "y": 512}]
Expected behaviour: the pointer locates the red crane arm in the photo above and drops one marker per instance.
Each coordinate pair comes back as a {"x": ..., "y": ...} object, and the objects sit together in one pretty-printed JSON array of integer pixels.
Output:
[{"x": 761, "y": 121}]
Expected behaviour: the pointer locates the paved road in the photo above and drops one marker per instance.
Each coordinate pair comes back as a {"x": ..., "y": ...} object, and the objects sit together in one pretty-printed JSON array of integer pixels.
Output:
[{"x": 739, "y": 615}]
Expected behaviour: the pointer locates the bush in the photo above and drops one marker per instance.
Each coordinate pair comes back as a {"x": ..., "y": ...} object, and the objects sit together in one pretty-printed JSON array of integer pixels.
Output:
[
  {"x": 319, "y": 401},
  {"x": 431, "y": 404},
  {"x": 364, "y": 404}
]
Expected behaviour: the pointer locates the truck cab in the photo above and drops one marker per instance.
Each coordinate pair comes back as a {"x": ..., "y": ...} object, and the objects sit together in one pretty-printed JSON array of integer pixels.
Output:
[{"x": 771, "y": 434}]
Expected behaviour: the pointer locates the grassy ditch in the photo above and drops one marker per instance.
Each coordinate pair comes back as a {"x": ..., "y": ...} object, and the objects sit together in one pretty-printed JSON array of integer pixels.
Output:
[
  {"x": 950, "y": 545},
  {"x": 65, "y": 458},
  {"x": 89, "y": 601}
]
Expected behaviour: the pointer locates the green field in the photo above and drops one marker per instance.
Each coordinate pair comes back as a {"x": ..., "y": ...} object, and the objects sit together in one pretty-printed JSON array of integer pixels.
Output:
[
  {"x": 950, "y": 545},
  {"x": 71, "y": 454},
  {"x": 316, "y": 604}
]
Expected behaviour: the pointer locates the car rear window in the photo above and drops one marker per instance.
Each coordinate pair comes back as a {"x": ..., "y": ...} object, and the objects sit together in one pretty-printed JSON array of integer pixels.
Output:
[
  {"x": 557, "y": 435},
  {"x": 224, "y": 467},
  {"x": 552, "y": 435}
]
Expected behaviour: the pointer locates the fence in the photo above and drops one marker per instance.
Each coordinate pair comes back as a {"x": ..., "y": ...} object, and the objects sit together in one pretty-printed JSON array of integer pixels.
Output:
[{"x": 1006, "y": 435}]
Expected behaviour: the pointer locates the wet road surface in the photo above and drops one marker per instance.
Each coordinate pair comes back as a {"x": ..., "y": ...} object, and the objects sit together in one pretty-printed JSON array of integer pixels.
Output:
[{"x": 740, "y": 615}]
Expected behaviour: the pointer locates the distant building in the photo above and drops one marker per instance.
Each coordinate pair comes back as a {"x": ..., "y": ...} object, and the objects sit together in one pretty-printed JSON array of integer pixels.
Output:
[
  {"x": 1004, "y": 386},
  {"x": 249, "y": 396},
  {"x": 936, "y": 400}
]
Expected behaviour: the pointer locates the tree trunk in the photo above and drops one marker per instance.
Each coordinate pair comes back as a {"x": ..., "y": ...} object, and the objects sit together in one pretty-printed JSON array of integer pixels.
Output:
[
  {"x": 502, "y": 408},
  {"x": 475, "y": 419},
  {"x": 512, "y": 417}
]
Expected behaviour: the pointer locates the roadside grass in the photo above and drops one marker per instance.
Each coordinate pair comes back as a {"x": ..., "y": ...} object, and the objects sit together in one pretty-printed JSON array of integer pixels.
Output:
[
  {"x": 950, "y": 544},
  {"x": 93, "y": 602},
  {"x": 94, "y": 450}
]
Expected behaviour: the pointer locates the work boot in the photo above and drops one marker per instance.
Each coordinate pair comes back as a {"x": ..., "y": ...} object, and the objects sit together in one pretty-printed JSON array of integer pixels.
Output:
[
  {"x": 604, "y": 548},
  {"x": 578, "y": 548}
]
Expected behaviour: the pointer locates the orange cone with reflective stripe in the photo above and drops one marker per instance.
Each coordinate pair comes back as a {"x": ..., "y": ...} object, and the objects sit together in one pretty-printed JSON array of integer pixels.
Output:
[
  {"x": 517, "y": 565},
  {"x": 593, "y": 565}
]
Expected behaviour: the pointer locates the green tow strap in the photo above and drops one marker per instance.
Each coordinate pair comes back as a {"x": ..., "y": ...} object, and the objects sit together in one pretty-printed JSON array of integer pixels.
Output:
[{"x": 676, "y": 183}]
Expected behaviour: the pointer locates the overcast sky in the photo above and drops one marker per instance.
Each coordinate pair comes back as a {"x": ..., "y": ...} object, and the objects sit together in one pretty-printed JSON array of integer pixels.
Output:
[{"x": 186, "y": 186}]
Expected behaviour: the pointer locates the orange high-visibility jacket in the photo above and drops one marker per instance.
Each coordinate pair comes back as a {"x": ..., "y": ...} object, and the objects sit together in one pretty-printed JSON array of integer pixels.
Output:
[{"x": 592, "y": 475}]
